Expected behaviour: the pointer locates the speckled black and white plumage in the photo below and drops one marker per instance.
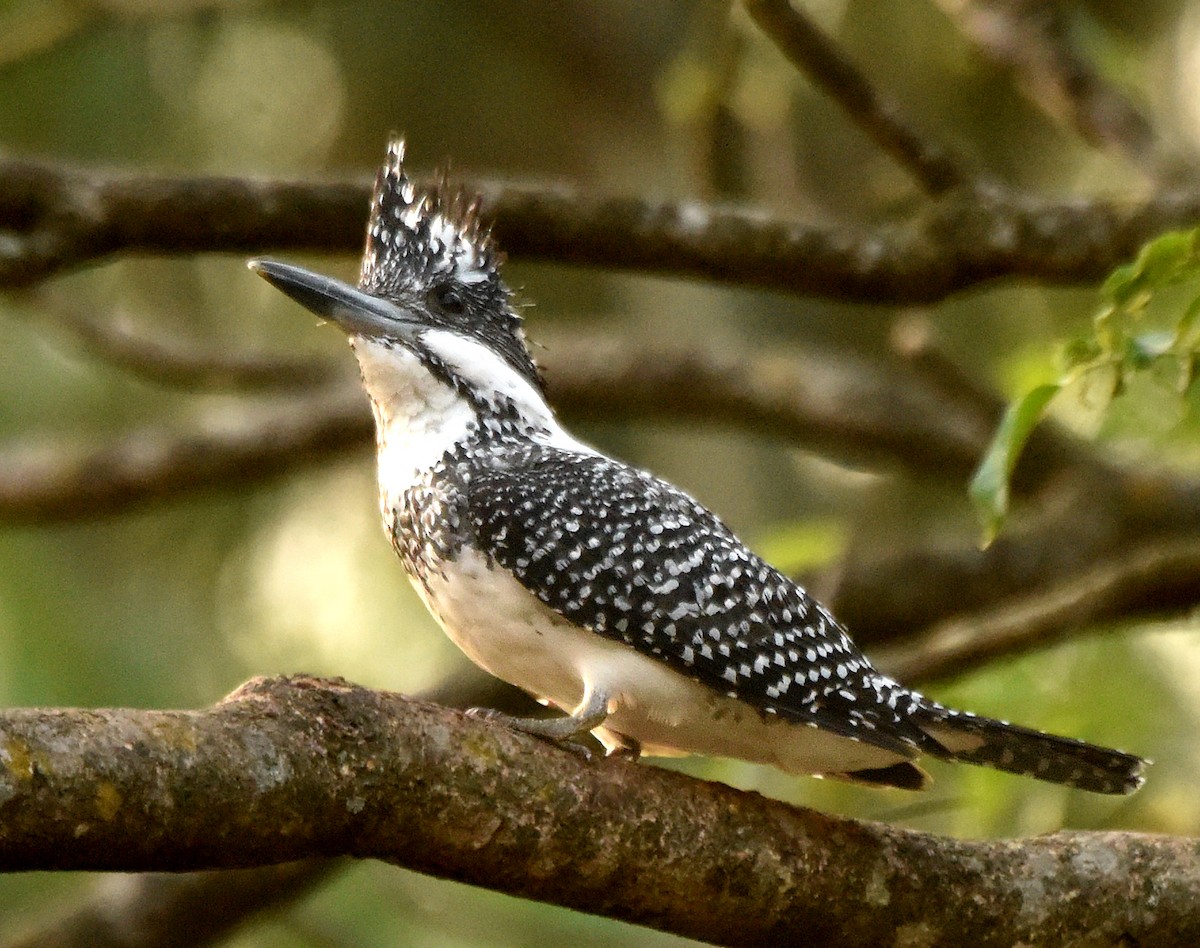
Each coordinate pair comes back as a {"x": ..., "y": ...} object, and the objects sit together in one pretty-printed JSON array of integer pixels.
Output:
[
  {"x": 572, "y": 575},
  {"x": 430, "y": 250},
  {"x": 629, "y": 557}
]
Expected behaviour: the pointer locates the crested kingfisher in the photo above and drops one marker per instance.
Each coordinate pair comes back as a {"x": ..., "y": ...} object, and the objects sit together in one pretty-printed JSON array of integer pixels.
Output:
[{"x": 595, "y": 586}]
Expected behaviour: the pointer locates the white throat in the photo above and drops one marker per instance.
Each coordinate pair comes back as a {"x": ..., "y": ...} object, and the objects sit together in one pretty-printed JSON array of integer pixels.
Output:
[{"x": 419, "y": 417}]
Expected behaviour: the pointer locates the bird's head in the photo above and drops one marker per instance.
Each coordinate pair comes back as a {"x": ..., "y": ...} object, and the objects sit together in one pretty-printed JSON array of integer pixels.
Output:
[{"x": 429, "y": 287}]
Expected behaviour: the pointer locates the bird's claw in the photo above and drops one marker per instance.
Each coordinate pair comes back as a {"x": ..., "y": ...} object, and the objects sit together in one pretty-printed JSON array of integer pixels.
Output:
[{"x": 545, "y": 729}]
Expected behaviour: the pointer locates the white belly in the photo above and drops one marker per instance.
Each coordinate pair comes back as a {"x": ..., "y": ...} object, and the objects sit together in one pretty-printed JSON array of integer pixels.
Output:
[{"x": 504, "y": 629}]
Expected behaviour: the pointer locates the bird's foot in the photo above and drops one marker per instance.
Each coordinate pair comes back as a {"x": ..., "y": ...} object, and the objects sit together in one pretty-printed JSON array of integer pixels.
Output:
[{"x": 563, "y": 732}]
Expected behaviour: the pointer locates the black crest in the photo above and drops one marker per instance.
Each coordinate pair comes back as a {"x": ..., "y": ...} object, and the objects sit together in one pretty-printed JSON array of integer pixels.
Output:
[
  {"x": 414, "y": 234},
  {"x": 427, "y": 250}
]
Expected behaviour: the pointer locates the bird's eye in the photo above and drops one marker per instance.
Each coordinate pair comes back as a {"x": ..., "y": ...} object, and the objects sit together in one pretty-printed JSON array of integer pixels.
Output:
[{"x": 448, "y": 299}]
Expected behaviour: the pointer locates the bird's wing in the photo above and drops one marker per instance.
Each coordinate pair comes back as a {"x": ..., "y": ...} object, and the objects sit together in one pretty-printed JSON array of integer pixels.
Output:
[{"x": 634, "y": 559}]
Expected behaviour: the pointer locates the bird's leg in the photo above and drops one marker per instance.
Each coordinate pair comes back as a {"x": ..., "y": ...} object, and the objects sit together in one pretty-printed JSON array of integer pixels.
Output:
[{"x": 562, "y": 731}]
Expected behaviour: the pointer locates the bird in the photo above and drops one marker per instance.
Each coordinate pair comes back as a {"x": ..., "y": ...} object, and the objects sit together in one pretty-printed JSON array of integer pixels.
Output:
[{"x": 597, "y": 587}]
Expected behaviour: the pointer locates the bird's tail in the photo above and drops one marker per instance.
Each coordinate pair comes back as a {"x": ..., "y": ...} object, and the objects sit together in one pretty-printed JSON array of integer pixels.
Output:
[{"x": 1021, "y": 750}]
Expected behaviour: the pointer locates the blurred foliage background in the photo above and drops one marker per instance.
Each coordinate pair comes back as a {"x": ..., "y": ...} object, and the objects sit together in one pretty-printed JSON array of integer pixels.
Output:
[{"x": 175, "y": 605}]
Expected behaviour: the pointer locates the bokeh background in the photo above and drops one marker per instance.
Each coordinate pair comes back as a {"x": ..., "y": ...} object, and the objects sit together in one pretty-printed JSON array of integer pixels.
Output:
[{"x": 176, "y": 604}]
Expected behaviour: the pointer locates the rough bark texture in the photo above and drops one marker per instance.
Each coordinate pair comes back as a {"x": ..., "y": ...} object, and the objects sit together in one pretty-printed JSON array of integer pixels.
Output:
[
  {"x": 286, "y": 769},
  {"x": 57, "y": 219}
]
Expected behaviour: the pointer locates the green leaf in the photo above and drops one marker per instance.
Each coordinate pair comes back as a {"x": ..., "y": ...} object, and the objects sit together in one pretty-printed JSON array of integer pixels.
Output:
[
  {"x": 990, "y": 486},
  {"x": 1127, "y": 340},
  {"x": 1164, "y": 261},
  {"x": 1186, "y": 326}
]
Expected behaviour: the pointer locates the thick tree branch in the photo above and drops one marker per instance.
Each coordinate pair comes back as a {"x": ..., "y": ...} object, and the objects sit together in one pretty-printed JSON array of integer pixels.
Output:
[
  {"x": 153, "y": 910},
  {"x": 810, "y": 50},
  {"x": 288, "y": 769},
  {"x": 53, "y": 219}
]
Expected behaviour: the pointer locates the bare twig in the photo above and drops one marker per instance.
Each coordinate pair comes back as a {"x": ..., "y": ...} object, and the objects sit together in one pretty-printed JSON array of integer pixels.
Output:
[
  {"x": 714, "y": 133},
  {"x": 914, "y": 339},
  {"x": 53, "y": 219},
  {"x": 1145, "y": 582},
  {"x": 1033, "y": 40},
  {"x": 335, "y": 769},
  {"x": 861, "y": 411},
  {"x": 1092, "y": 516},
  {"x": 1049, "y": 450},
  {"x": 803, "y": 43},
  {"x": 176, "y": 364},
  {"x": 46, "y": 483},
  {"x": 857, "y": 410},
  {"x": 176, "y": 911}
]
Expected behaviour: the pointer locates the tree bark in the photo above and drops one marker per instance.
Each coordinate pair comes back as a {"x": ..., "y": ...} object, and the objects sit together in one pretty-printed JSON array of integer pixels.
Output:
[{"x": 291, "y": 768}]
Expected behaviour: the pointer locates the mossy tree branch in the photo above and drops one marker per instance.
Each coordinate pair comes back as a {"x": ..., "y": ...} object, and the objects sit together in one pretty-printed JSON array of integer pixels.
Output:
[{"x": 292, "y": 768}]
